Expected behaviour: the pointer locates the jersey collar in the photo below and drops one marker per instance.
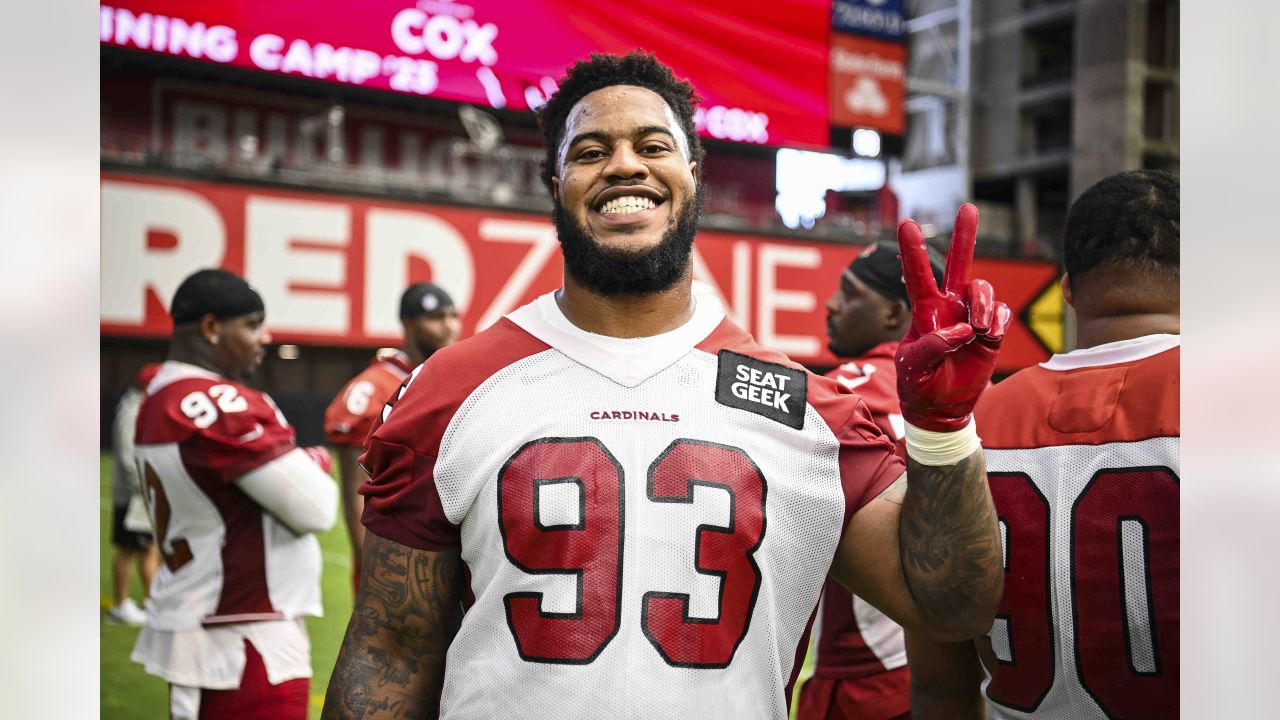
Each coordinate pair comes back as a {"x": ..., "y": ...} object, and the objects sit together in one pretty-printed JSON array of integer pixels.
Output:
[
  {"x": 626, "y": 361},
  {"x": 883, "y": 350},
  {"x": 395, "y": 357},
  {"x": 1114, "y": 353},
  {"x": 172, "y": 371}
]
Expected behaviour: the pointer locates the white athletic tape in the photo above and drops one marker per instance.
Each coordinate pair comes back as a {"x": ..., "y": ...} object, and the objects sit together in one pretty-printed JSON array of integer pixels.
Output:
[{"x": 942, "y": 448}]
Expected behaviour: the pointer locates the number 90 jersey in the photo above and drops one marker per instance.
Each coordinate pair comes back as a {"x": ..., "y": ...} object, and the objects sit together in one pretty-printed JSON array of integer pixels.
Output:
[
  {"x": 646, "y": 523},
  {"x": 1083, "y": 460}
]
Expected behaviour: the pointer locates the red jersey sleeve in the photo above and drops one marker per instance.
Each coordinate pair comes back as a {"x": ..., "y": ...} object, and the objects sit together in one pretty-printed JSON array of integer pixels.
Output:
[
  {"x": 222, "y": 427},
  {"x": 875, "y": 380},
  {"x": 868, "y": 461},
  {"x": 351, "y": 415},
  {"x": 401, "y": 499}
]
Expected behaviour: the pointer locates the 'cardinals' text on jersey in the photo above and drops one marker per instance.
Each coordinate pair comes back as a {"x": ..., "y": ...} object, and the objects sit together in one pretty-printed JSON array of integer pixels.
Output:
[
  {"x": 350, "y": 416},
  {"x": 1083, "y": 460},
  {"x": 226, "y": 560},
  {"x": 647, "y": 523}
]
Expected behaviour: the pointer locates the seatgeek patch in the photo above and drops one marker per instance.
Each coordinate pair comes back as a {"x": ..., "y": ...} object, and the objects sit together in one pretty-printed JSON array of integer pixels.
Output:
[{"x": 764, "y": 388}]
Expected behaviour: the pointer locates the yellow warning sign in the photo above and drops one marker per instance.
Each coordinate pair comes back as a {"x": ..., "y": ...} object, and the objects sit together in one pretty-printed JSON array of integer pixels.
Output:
[{"x": 1044, "y": 317}]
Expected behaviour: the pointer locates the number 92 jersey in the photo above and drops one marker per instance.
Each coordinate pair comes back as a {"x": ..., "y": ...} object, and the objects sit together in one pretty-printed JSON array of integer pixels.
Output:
[
  {"x": 226, "y": 560},
  {"x": 646, "y": 523}
]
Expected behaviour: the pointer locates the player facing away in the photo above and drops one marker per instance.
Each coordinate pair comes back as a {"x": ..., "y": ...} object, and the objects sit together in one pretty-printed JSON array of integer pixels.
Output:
[
  {"x": 637, "y": 503},
  {"x": 430, "y": 321},
  {"x": 235, "y": 505},
  {"x": 1083, "y": 460},
  {"x": 860, "y": 661}
]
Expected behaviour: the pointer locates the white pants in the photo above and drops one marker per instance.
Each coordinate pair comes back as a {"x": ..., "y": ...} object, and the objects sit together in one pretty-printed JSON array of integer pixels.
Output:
[{"x": 184, "y": 702}]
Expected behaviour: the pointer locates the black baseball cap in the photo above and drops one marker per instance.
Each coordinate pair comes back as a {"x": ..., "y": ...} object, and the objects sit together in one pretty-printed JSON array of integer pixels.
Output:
[
  {"x": 422, "y": 299},
  {"x": 215, "y": 292},
  {"x": 880, "y": 268}
]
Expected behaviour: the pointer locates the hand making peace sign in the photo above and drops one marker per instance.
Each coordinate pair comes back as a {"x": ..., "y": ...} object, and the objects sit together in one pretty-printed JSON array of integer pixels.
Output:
[{"x": 946, "y": 359}]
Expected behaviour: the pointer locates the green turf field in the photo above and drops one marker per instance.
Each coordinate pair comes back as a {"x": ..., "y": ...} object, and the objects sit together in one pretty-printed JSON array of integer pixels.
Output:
[{"x": 128, "y": 693}]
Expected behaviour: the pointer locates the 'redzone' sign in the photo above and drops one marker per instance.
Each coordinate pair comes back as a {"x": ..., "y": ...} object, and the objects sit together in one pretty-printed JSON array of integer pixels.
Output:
[{"x": 331, "y": 268}]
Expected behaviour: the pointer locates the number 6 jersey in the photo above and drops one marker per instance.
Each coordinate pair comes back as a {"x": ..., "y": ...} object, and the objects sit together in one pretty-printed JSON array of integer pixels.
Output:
[
  {"x": 1083, "y": 459},
  {"x": 646, "y": 523}
]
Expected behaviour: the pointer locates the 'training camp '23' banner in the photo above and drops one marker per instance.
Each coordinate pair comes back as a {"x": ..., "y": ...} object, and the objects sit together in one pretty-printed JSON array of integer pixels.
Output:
[{"x": 761, "y": 72}]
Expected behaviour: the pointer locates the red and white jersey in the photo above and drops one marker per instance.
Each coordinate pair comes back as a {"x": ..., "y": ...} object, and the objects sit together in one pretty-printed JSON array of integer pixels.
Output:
[
  {"x": 350, "y": 416},
  {"x": 854, "y": 639},
  {"x": 875, "y": 377},
  {"x": 647, "y": 523},
  {"x": 1083, "y": 459},
  {"x": 226, "y": 560}
]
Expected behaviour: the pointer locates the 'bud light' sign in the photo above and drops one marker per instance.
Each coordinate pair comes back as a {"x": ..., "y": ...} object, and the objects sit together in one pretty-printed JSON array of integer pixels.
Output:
[{"x": 879, "y": 18}]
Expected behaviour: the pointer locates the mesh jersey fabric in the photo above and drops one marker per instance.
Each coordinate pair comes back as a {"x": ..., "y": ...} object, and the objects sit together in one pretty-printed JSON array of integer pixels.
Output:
[
  {"x": 853, "y": 639},
  {"x": 1084, "y": 464},
  {"x": 226, "y": 560},
  {"x": 635, "y": 548},
  {"x": 231, "y": 571},
  {"x": 351, "y": 414}
]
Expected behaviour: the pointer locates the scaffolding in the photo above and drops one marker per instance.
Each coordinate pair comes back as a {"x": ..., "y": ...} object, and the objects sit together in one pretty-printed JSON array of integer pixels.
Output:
[{"x": 935, "y": 172}]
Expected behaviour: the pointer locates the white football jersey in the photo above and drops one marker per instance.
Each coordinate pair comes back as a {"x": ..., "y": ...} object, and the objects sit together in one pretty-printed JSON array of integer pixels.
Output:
[
  {"x": 1083, "y": 461},
  {"x": 226, "y": 560},
  {"x": 647, "y": 523}
]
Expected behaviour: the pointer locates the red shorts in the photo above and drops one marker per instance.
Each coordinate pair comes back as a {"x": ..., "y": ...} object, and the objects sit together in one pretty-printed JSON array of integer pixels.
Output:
[
  {"x": 255, "y": 699},
  {"x": 883, "y": 696}
]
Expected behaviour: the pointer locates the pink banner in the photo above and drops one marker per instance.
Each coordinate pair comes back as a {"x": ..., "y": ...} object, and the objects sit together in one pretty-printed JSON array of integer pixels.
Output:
[{"x": 760, "y": 66}]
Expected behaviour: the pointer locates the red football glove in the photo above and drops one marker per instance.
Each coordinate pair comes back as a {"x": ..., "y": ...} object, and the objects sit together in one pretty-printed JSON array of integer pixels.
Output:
[
  {"x": 946, "y": 359},
  {"x": 320, "y": 454}
]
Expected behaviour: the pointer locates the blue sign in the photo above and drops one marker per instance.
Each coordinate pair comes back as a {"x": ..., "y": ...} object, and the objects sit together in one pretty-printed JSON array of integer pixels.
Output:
[{"x": 878, "y": 18}]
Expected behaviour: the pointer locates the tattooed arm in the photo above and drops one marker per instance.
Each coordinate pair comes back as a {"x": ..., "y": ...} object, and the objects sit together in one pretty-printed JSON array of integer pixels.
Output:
[
  {"x": 352, "y": 501},
  {"x": 391, "y": 664},
  {"x": 927, "y": 552}
]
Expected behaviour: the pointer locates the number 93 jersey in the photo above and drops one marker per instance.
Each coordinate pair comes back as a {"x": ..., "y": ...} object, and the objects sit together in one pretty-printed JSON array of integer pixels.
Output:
[
  {"x": 1083, "y": 460},
  {"x": 646, "y": 523}
]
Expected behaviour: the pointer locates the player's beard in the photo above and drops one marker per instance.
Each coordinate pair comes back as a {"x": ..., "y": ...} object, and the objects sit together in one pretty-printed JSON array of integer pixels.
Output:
[
  {"x": 426, "y": 348},
  {"x": 611, "y": 271}
]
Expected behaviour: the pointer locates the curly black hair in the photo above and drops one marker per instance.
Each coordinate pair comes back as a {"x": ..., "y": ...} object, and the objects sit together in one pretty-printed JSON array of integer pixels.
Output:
[
  {"x": 1128, "y": 220},
  {"x": 601, "y": 70}
]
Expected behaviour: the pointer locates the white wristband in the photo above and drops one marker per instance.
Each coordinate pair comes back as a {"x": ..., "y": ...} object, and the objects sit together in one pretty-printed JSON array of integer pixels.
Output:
[{"x": 942, "y": 448}]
